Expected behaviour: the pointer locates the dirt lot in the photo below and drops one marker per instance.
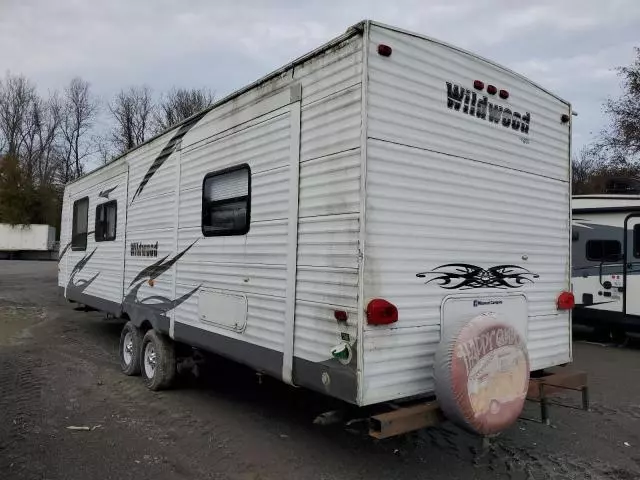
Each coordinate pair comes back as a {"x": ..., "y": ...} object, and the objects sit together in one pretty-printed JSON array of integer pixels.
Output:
[{"x": 59, "y": 368}]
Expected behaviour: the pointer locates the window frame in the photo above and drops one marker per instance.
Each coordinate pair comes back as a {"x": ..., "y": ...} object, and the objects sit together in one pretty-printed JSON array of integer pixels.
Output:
[
  {"x": 115, "y": 230},
  {"x": 217, "y": 173},
  {"x": 603, "y": 258},
  {"x": 74, "y": 233},
  {"x": 636, "y": 240}
]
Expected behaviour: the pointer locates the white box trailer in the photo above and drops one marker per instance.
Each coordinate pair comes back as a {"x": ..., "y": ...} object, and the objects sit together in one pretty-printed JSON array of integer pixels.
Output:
[
  {"x": 606, "y": 262},
  {"x": 27, "y": 238},
  {"x": 334, "y": 223}
]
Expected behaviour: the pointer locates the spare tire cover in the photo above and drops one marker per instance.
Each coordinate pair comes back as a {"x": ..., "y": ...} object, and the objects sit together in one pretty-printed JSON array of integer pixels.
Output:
[{"x": 482, "y": 374}]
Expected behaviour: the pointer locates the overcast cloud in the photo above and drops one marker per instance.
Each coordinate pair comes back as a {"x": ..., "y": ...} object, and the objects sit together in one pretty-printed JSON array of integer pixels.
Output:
[{"x": 570, "y": 47}]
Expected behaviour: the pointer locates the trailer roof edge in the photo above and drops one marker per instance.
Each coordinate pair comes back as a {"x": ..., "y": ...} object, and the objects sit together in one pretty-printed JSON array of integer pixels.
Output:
[{"x": 352, "y": 31}]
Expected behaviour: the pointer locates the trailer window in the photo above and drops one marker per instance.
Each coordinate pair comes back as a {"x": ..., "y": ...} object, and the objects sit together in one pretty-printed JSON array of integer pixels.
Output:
[
  {"x": 636, "y": 241},
  {"x": 226, "y": 202},
  {"x": 79, "y": 224},
  {"x": 604, "y": 250},
  {"x": 106, "y": 220}
]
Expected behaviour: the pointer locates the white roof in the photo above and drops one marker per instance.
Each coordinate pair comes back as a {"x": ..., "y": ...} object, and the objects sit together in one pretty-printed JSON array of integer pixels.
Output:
[{"x": 605, "y": 201}]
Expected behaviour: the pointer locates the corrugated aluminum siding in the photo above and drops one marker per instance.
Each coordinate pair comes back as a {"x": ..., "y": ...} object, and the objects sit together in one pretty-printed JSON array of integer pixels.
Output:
[
  {"x": 328, "y": 209},
  {"x": 150, "y": 217},
  {"x": 445, "y": 187},
  {"x": 65, "y": 238},
  {"x": 254, "y": 128}
]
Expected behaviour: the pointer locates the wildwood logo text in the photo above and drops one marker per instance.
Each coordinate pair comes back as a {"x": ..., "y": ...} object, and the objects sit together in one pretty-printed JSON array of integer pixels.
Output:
[{"x": 476, "y": 105}]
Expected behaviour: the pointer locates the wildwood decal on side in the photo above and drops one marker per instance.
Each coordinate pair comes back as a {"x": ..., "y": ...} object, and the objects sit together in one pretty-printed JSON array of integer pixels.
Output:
[
  {"x": 478, "y": 105},
  {"x": 144, "y": 249}
]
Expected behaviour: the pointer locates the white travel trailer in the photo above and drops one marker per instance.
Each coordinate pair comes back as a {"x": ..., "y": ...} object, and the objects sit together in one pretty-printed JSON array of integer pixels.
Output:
[
  {"x": 606, "y": 262},
  {"x": 332, "y": 223}
]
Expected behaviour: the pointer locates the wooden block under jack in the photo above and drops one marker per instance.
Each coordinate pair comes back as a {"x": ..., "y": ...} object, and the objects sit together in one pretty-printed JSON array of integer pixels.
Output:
[{"x": 405, "y": 419}]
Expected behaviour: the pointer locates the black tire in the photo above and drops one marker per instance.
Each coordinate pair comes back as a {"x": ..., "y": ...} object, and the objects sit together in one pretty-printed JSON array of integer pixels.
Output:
[
  {"x": 619, "y": 336},
  {"x": 130, "y": 354},
  {"x": 162, "y": 374}
]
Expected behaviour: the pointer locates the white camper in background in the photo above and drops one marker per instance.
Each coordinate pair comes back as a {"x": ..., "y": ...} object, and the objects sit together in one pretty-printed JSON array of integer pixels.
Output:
[
  {"x": 335, "y": 223},
  {"x": 606, "y": 262},
  {"x": 22, "y": 238},
  {"x": 34, "y": 241}
]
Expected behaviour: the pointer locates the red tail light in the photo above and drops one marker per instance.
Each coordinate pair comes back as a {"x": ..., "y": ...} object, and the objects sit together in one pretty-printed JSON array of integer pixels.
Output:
[
  {"x": 381, "y": 312},
  {"x": 384, "y": 50},
  {"x": 566, "y": 301}
]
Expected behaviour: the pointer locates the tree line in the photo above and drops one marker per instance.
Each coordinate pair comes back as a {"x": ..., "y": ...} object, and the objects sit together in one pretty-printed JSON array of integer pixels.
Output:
[{"x": 49, "y": 140}]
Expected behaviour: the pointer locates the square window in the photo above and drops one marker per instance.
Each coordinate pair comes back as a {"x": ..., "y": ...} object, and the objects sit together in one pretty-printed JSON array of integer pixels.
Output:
[
  {"x": 604, "y": 250},
  {"x": 226, "y": 202},
  {"x": 106, "y": 220}
]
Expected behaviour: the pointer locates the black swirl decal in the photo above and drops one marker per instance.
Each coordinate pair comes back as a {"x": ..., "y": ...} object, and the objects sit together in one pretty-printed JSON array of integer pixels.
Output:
[{"x": 463, "y": 276}]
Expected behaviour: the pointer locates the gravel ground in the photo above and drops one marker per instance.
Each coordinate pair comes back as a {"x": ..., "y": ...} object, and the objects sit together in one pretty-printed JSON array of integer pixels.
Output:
[{"x": 59, "y": 368}]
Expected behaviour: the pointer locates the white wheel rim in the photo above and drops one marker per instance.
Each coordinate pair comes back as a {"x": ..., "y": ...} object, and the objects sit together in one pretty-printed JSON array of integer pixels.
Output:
[
  {"x": 127, "y": 349},
  {"x": 149, "y": 360}
]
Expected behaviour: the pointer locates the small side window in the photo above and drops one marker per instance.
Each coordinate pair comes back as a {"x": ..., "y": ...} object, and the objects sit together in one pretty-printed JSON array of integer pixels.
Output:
[
  {"x": 226, "y": 202},
  {"x": 106, "y": 220},
  {"x": 636, "y": 241},
  {"x": 79, "y": 224},
  {"x": 604, "y": 250}
]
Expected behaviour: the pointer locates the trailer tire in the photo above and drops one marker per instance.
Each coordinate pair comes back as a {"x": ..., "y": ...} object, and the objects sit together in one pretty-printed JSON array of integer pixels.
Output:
[
  {"x": 129, "y": 349},
  {"x": 157, "y": 361},
  {"x": 618, "y": 336}
]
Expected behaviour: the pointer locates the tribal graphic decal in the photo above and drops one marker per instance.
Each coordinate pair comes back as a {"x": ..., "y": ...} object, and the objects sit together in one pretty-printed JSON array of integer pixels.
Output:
[
  {"x": 154, "y": 270},
  {"x": 64, "y": 250},
  {"x": 80, "y": 286},
  {"x": 161, "y": 305},
  {"x": 153, "y": 306},
  {"x": 166, "y": 152},
  {"x": 68, "y": 246},
  {"x": 463, "y": 276},
  {"x": 157, "y": 302},
  {"x": 107, "y": 192}
]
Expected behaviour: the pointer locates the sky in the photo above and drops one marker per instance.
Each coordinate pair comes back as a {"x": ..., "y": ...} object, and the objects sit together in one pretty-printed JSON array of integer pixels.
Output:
[{"x": 570, "y": 47}]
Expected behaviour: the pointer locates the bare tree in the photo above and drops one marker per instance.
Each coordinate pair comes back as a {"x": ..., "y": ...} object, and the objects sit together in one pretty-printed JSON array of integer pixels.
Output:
[
  {"x": 585, "y": 167},
  {"x": 621, "y": 141},
  {"x": 39, "y": 149},
  {"x": 593, "y": 173},
  {"x": 79, "y": 112},
  {"x": 17, "y": 95},
  {"x": 132, "y": 111},
  {"x": 180, "y": 103},
  {"x": 104, "y": 149}
]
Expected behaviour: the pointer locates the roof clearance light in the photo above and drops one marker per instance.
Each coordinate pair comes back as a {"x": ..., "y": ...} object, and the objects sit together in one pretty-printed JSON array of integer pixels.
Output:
[
  {"x": 384, "y": 50},
  {"x": 566, "y": 301},
  {"x": 381, "y": 312},
  {"x": 492, "y": 90},
  {"x": 504, "y": 94},
  {"x": 478, "y": 84}
]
